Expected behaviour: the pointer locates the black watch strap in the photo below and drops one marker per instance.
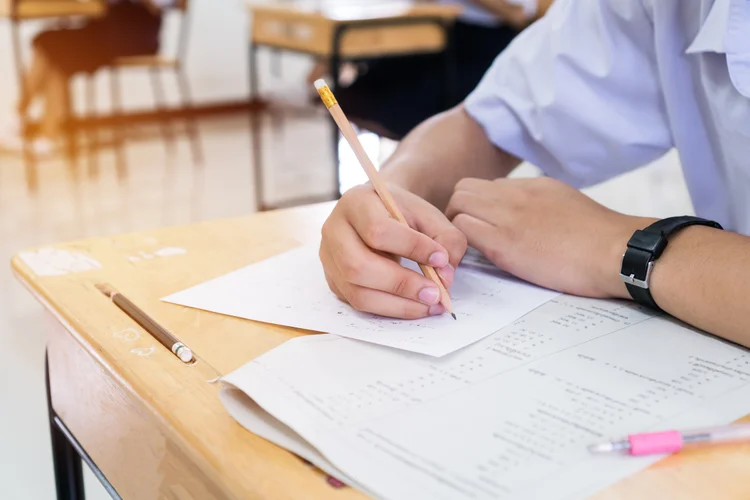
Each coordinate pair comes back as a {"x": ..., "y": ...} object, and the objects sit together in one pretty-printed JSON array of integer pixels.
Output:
[{"x": 647, "y": 245}]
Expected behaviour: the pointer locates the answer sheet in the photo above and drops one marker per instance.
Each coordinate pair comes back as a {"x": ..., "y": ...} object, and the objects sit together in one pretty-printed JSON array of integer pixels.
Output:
[
  {"x": 291, "y": 290},
  {"x": 509, "y": 417}
]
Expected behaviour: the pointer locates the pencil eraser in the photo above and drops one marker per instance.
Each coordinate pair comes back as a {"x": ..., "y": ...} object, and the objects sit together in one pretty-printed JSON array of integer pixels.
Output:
[
  {"x": 320, "y": 83},
  {"x": 185, "y": 354}
]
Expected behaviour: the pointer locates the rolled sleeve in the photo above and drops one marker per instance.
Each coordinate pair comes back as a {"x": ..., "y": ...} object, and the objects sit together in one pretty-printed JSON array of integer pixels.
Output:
[{"x": 578, "y": 93}]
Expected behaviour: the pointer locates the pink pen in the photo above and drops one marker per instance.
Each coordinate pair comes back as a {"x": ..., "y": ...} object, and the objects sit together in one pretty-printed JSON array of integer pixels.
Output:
[{"x": 652, "y": 443}]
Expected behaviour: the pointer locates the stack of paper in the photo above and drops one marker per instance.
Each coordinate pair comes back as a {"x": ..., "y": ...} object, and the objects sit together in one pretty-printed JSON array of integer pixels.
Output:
[{"x": 509, "y": 417}]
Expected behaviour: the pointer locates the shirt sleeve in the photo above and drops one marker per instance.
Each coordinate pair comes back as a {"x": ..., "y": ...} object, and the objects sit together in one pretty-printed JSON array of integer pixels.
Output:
[{"x": 578, "y": 93}]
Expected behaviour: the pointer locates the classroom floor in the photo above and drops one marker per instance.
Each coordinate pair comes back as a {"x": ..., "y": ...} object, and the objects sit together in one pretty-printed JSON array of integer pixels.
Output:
[{"x": 165, "y": 189}]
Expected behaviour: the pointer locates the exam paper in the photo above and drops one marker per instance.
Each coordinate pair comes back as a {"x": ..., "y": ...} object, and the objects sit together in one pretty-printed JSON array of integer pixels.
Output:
[
  {"x": 290, "y": 289},
  {"x": 509, "y": 417}
]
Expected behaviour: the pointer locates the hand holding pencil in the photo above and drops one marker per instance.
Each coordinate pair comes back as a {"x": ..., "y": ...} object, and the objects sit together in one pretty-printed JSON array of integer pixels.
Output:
[{"x": 371, "y": 223}]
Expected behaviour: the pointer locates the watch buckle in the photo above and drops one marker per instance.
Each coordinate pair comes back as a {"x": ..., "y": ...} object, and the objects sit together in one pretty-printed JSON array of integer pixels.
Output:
[{"x": 632, "y": 280}]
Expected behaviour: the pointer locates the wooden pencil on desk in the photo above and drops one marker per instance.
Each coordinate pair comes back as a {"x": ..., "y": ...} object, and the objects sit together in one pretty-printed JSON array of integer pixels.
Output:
[
  {"x": 147, "y": 323},
  {"x": 372, "y": 174}
]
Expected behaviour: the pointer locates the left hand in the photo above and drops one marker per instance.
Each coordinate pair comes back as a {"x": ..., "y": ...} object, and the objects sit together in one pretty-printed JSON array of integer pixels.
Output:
[{"x": 545, "y": 232}]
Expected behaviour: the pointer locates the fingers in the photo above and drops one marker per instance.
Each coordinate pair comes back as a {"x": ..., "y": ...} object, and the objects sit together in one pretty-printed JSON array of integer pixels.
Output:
[
  {"x": 358, "y": 246},
  {"x": 379, "y": 302},
  {"x": 481, "y": 235},
  {"x": 356, "y": 265},
  {"x": 448, "y": 273},
  {"x": 472, "y": 203},
  {"x": 433, "y": 239},
  {"x": 454, "y": 241},
  {"x": 479, "y": 186},
  {"x": 384, "y": 304},
  {"x": 433, "y": 223},
  {"x": 389, "y": 235},
  {"x": 332, "y": 285}
]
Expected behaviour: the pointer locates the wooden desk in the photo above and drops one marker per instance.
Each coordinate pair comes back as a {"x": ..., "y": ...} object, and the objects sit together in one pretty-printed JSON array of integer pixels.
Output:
[
  {"x": 37, "y": 9},
  {"x": 349, "y": 30},
  {"x": 370, "y": 30},
  {"x": 156, "y": 428}
]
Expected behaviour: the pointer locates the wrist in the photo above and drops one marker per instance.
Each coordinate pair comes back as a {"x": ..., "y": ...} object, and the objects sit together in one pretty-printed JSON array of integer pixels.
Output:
[
  {"x": 618, "y": 243},
  {"x": 400, "y": 173}
]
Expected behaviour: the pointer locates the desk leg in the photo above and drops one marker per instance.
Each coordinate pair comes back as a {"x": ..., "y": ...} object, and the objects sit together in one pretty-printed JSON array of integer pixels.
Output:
[
  {"x": 67, "y": 463},
  {"x": 68, "y": 456},
  {"x": 28, "y": 157},
  {"x": 335, "y": 71},
  {"x": 186, "y": 96},
  {"x": 255, "y": 133},
  {"x": 160, "y": 101},
  {"x": 93, "y": 133},
  {"x": 451, "y": 68},
  {"x": 117, "y": 123},
  {"x": 276, "y": 63}
]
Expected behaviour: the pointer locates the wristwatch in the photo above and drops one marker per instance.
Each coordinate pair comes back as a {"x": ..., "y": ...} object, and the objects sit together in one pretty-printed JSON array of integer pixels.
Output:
[{"x": 645, "y": 247}]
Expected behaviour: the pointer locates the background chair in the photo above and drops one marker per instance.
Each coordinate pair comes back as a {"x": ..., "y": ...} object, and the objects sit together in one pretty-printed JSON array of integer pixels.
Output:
[
  {"x": 155, "y": 64},
  {"x": 19, "y": 11}
]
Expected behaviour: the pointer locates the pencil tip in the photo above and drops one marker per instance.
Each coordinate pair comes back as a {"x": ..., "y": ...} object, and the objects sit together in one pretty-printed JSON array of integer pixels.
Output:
[{"x": 454, "y": 315}]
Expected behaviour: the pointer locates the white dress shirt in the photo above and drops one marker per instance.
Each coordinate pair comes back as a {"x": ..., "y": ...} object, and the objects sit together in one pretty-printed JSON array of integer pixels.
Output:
[
  {"x": 600, "y": 87},
  {"x": 473, "y": 13}
]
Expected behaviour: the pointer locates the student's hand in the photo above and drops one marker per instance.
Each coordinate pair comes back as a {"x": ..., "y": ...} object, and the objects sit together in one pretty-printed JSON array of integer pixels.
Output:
[
  {"x": 545, "y": 232},
  {"x": 361, "y": 245}
]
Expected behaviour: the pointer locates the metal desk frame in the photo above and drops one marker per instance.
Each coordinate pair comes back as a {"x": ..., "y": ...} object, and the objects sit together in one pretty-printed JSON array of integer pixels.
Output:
[{"x": 336, "y": 59}]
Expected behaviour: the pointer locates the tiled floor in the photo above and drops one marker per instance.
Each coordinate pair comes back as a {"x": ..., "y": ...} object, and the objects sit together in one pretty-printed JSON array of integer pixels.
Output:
[{"x": 166, "y": 189}]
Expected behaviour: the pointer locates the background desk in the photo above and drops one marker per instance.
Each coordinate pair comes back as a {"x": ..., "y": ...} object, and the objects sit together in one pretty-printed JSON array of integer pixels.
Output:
[
  {"x": 351, "y": 31},
  {"x": 156, "y": 428},
  {"x": 38, "y": 9}
]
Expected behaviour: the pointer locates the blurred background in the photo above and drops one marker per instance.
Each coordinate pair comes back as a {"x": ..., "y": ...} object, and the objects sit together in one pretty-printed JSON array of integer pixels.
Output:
[{"x": 135, "y": 115}]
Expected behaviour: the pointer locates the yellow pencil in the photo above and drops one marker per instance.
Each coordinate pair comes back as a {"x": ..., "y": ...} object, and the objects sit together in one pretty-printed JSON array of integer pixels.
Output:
[{"x": 372, "y": 173}]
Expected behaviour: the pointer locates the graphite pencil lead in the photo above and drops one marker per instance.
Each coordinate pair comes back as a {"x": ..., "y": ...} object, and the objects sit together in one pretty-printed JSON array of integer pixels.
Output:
[{"x": 454, "y": 315}]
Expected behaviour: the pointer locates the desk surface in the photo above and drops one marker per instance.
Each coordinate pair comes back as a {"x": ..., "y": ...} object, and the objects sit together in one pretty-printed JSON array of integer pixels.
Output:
[
  {"x": 351, "y": 11},
  {"x": 150, "y": 265},
  {"x": 372, "y": 29},
  {"x": 37, "y": 9}
]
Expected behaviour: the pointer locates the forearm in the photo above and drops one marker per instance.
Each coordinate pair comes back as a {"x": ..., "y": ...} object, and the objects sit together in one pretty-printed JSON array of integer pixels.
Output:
[
  {"x": 703, "y": 278},
  {"x": 442, "y": 151}
]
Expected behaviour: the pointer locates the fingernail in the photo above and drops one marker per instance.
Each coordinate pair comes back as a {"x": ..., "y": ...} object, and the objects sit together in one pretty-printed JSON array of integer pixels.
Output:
[
  {"x": 447, "y": 273},
  {"x": 429, "y": 295},
  {"x": 437, "y": 310},
  {"x": 438, "y": 259}
]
